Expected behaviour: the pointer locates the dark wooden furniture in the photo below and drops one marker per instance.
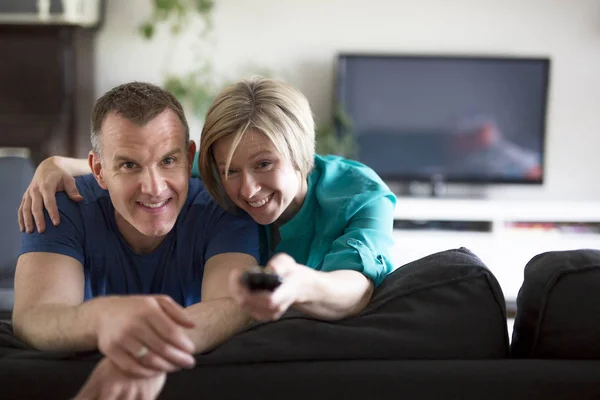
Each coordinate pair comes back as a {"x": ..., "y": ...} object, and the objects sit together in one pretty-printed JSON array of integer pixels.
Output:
[{"x": 46, "y": 88}]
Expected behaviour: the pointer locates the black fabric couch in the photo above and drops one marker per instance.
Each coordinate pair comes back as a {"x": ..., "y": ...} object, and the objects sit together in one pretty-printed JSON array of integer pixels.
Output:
[
  {"x": 559, "y": 307},
  {"x": 435, "y": 329}
]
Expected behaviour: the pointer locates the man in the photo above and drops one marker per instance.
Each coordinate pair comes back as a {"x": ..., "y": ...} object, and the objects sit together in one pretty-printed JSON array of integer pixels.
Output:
[{"x": 144, "y": 230}]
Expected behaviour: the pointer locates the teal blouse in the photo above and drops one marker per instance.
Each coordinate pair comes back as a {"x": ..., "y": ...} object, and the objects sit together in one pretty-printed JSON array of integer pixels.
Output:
[{"x": 345, "y": 222}]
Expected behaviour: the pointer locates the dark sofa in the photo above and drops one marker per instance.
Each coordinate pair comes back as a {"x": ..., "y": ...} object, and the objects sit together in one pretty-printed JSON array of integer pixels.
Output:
[{"x": 435, "y": 329}]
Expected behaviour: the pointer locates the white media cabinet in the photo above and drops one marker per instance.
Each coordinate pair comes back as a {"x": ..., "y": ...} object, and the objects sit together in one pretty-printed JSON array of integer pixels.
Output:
[{"x": 502, "y": 247}]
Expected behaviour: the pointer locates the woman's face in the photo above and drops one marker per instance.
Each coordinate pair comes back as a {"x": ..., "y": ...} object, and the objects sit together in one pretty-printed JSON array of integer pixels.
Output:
[{"x": 260, "y": 180}]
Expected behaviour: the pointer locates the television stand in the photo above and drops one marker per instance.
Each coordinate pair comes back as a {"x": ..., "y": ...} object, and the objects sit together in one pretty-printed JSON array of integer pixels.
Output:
[
  {"x": 504, "y": 234},
  {"x": 438, "y": 189},
  {"x": 431, "y": 189}
]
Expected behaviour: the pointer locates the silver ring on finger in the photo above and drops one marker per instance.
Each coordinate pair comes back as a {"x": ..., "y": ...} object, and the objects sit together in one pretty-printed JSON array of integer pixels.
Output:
[{"x": 141, "y": 353}]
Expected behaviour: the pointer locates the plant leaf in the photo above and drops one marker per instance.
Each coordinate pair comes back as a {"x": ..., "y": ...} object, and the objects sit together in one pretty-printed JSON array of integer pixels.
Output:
[
  {"x": 204, "y": 6},
  {"x": 147, "y": 30}
]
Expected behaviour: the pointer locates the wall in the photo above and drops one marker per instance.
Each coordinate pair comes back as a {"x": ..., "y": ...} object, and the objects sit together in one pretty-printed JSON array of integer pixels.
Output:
[{"x": 299, "y": 40}]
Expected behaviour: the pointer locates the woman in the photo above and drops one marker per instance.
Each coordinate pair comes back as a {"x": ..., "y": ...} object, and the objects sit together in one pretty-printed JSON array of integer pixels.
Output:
[{"x": 328, "y": 221}]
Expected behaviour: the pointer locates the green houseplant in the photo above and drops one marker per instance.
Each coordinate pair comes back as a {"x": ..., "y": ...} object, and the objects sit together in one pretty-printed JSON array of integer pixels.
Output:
[
  {"x": 198, "y": 87},
  {"x": 337, "y": 136},
  {"x": 177, "y": 14}
]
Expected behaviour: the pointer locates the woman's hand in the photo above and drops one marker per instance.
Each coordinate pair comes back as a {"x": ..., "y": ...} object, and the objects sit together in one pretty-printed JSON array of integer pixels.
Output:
[
  {"x": 269, "y": 306},
  {"x": 50, "y": 177},
  {"x": 107, "y": 381}
]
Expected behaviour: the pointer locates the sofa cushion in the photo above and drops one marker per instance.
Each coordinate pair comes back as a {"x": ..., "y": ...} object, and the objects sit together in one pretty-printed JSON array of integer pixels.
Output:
[
  {"x": 444, "y": 306},
  {"x": 558, "y": 307}
]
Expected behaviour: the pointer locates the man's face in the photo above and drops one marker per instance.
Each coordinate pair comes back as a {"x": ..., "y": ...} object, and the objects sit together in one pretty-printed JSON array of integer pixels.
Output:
[{"x": 146, "y": 170}]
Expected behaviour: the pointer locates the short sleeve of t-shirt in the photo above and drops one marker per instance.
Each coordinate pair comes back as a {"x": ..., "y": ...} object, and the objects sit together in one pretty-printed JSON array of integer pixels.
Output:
[
  {"x": 66, "y": 239},
  {"x": 236, "y": 233},
  {"x": 214, "y": 229},
  {"x": 233, "y": 233}
]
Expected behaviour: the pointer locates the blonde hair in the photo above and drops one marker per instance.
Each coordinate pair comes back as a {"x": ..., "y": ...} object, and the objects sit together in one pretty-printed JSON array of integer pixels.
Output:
[{"x": 271, "y": 107}]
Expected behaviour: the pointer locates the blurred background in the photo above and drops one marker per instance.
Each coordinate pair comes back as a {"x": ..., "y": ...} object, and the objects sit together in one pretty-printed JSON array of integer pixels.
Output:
[
  {"x": 195, "y": 47},
  {"x": 58, "y": 56},
  {"x": 299, "y": 41}
]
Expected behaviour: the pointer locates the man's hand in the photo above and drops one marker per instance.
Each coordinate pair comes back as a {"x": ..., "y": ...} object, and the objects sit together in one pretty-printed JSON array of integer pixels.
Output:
[
  {"x": 50, "y": 177},
  {"x": 108, "y": 382},
  {"x": 144, "y": 335},
  {"x": 268, "y": 306}
]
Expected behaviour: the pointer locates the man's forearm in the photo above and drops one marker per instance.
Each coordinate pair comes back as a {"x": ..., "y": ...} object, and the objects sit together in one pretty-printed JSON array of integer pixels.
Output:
[
  {"x": 335, "y": 295},
  {"x": 57, "y": 327},
  {"x": 216, "y": 321}
]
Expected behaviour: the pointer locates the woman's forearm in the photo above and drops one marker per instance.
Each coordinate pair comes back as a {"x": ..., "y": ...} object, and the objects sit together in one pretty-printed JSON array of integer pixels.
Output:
[
  {"x": 72, "y": 166},
  {"x": 216, "y": 321},
  {"x": 335, "y": 295}
]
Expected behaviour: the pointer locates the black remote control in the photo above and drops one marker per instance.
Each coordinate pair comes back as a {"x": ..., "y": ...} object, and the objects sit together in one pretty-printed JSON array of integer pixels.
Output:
[{"x": 258, "y": 278}]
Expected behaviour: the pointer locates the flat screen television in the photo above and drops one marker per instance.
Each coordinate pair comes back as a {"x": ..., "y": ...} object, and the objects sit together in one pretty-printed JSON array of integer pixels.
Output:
[{"x": 446, "y": 118}]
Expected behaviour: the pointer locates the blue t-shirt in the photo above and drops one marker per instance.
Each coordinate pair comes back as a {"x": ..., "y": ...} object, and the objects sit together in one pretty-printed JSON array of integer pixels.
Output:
[{"x": 88, "y": 232}]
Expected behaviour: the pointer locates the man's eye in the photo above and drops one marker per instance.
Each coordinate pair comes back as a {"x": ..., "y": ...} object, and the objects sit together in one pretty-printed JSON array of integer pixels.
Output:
[
  {"x": 128, "y": 165},
  {"x": 168, "y": 160}
]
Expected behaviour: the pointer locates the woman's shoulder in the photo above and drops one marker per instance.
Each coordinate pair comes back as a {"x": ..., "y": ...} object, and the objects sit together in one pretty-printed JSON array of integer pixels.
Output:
[
  {"x": 338, "y": 174},
  {"x": 340, "y": 181}
]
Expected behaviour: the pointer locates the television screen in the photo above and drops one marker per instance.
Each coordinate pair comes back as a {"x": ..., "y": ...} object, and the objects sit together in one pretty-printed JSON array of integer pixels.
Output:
[{"x": 456, "y": 119}]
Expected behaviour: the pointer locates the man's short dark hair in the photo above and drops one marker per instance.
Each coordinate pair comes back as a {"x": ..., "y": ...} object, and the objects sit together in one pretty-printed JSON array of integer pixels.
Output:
[{"x": 139, "y": 102}]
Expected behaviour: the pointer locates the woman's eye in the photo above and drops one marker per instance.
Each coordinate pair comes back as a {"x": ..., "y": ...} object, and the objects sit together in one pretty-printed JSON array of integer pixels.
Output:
[
  {"x": 228, "y": 172},
  {"x": 264, "y": 164}
]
